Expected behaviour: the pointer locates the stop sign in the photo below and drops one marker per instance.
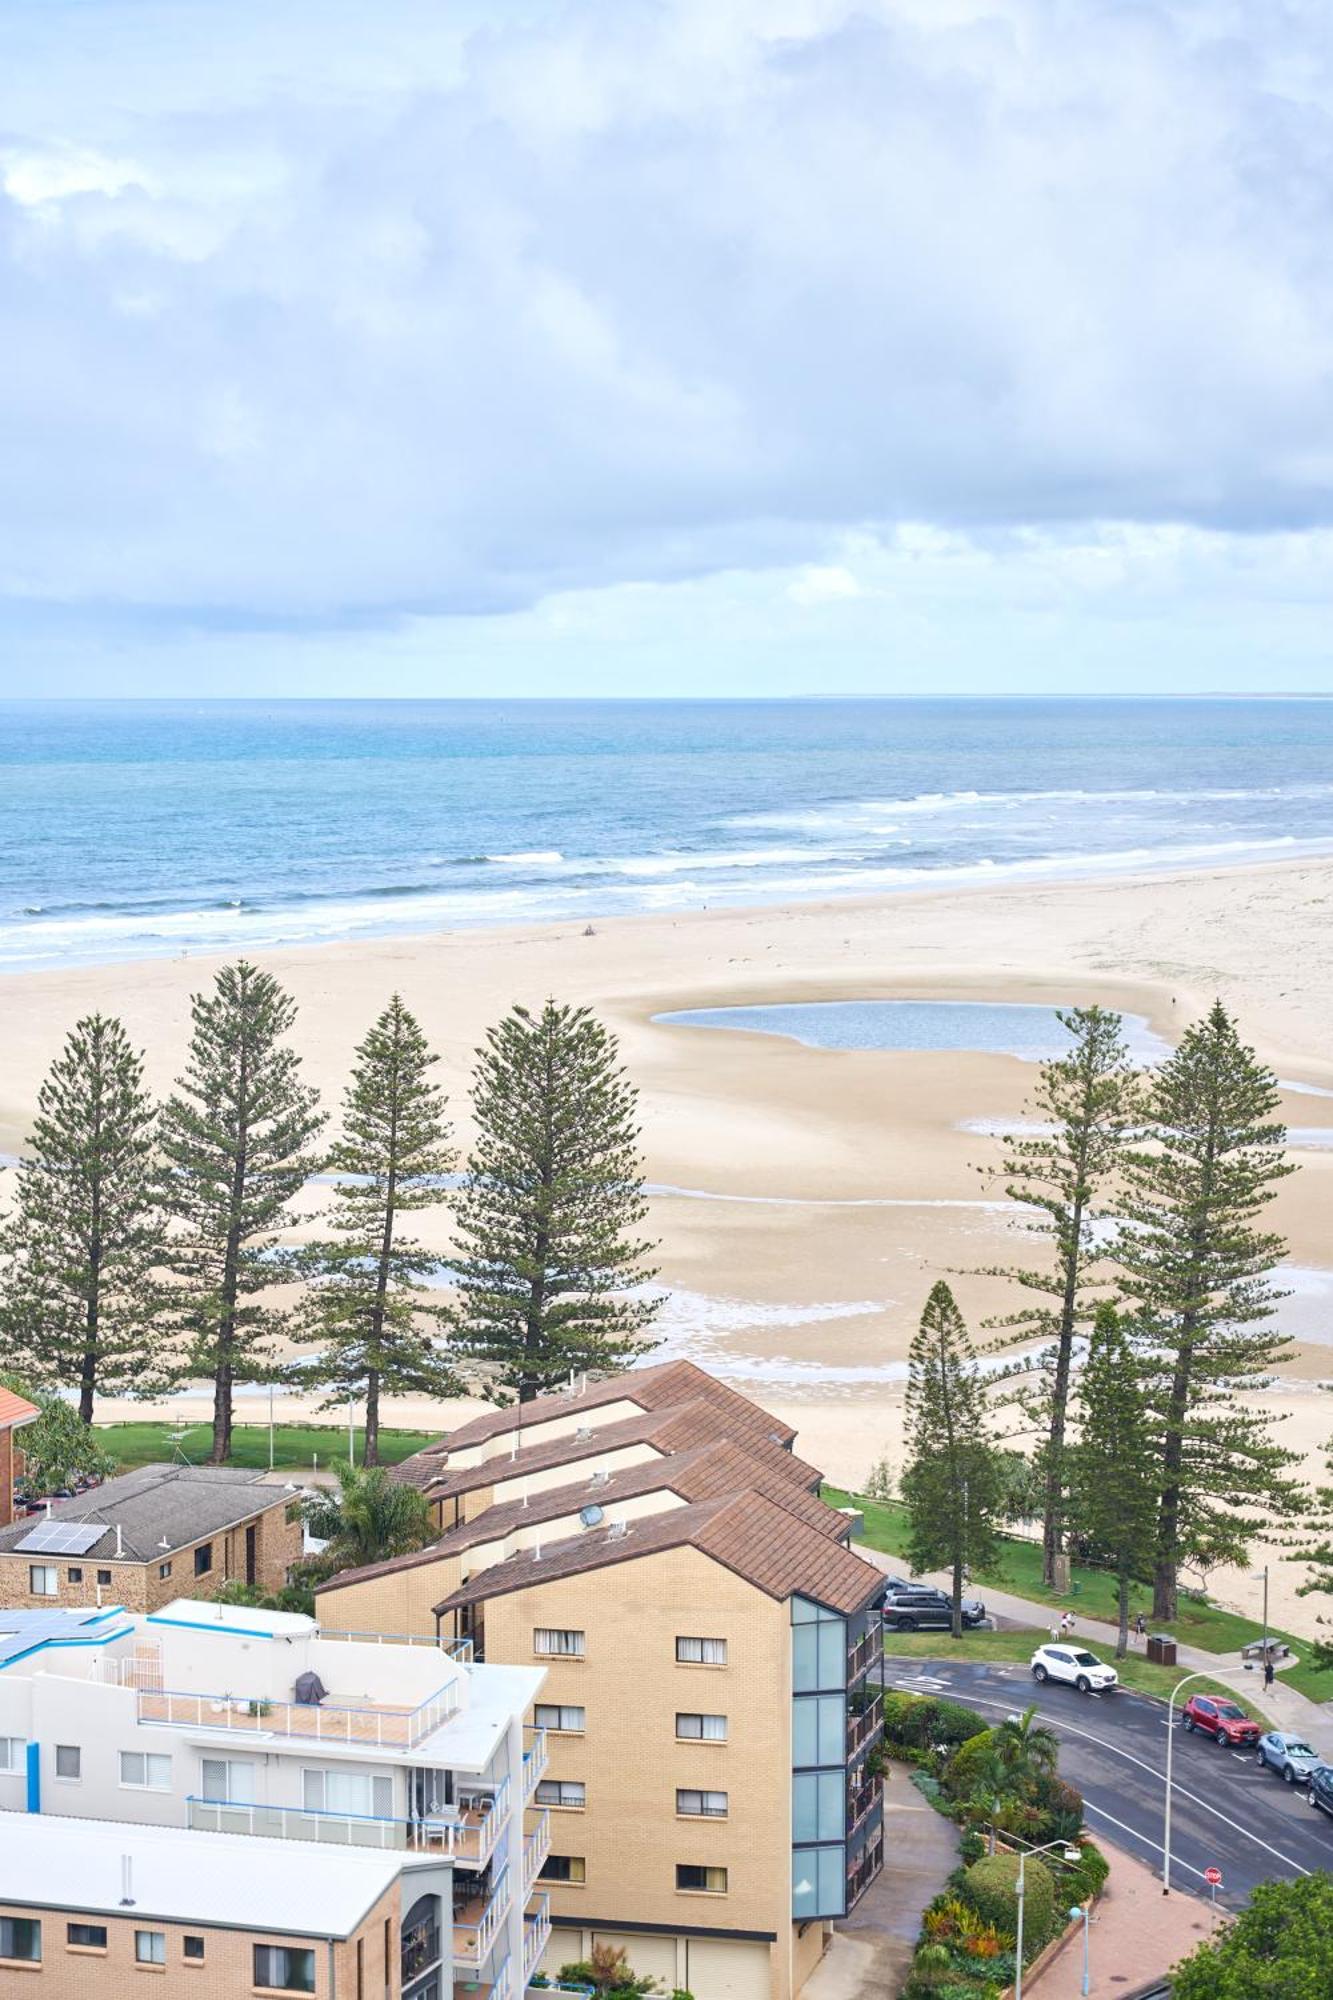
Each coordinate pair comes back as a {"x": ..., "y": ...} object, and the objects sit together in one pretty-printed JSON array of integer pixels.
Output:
[{"x": 1213, "y": 1877}]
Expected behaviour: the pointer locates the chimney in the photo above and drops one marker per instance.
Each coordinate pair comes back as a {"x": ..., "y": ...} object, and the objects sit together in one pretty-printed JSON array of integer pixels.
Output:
[{"x": 126, "y": 1881}]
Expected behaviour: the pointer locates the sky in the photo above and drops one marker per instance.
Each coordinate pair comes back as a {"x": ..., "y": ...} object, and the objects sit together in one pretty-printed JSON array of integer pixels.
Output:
[{"x": 665, "y": 346}]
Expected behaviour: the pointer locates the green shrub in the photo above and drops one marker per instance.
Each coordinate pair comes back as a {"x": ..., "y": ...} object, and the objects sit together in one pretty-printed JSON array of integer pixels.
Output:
[
  {"x": 965, "y": 1766},
  {"x": 920, "y": 1722},
  {"x": 1060, "y": 1812},
  {"x": 972, "y": 1846},
  {"x": 990, "y": 1886},
  {"x": 1088, "y": 1879}
]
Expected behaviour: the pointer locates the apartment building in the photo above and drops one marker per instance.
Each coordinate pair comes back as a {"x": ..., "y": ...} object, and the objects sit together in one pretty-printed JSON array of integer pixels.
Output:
[
  {"x": 15, "y": 1413},
  {"x": 145, "y": 1537},
  {"x": 262, "y": 1726},
  {"x": 88, "y": 1905},
  {"x": 712, "y": 1649}
]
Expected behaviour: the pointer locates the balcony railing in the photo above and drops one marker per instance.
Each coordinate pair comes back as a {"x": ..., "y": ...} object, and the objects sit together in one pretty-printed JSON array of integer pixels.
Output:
[
  {"x": 534, "y": 1761},
  {"x": 865, "y": 1869},
  {"x": 387, "y": 1727},
  {"x": 474, "y": 1934},
  {"x": 421, "y": 1950},
  {"x": 864, "y": 1723},
  {"x": 861, "y": 1803},
  {"x": 536, "y": 1931},
  {"x": 536, "y": 1847},
  {"x": 868, "y": 1648},
  {"x": 499, "y": 1987},
  {"x": 453, "y": 1649},
  {"x": 468, "y": 1841}
]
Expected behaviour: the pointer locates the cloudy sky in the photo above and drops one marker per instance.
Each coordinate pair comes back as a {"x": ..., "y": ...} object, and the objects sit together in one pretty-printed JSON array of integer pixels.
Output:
[{"x": 648, "y": 346}]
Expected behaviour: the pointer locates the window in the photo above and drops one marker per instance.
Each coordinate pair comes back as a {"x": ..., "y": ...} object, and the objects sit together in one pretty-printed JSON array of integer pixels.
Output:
[
  {"x": 150, "y": 1947},
  {"x": 164, "y": 1569},
  {"x": 361, "y": 1794},
  {"x": 701, "y": 1805},
  {"x": 560, "y": 1715},
  {"x": 564, "y": 1868},
  {"x": 227, "y": 1780},
  {"x": 818, "y": 1805},
  {"x": 86, "y": 1937},
  {"x": 145, "y": 1771},
  {"x": 819, "y": 1729},
  {"x": 568, "y": 1792},
  {"x": 701, "y": 1881},
  {"x": 702, "y": 1728},
  {"x": 203, "y": 1559},
  {"x": 104, "y": 1576},
  {"x": 43, "y": 1580},
  {"x": 818, "y": 1881},
  {"x": 21, "y": 1938},
  {"x": 701, "y": 1652},
  {"x": 289, "y": 1968},
  {"x": 74, "y": 1575},
  {"x": 69, "y": 1761},
  {"x": 551, "y": 1643},
  {"x": 819, "y": 1645},
  {"x": 194, "y": 1948},
  {"x": 11, "y": 1753}
]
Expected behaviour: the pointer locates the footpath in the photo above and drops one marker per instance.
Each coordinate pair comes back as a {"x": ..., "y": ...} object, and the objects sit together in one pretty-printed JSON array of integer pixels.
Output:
[{"x": 1135, "y": 1936}]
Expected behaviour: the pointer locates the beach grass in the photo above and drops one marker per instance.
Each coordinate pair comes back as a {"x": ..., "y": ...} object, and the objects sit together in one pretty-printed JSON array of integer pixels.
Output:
[
  {"x": 296, "y": 1447},
  {"x": 1093, "y": 1597}
]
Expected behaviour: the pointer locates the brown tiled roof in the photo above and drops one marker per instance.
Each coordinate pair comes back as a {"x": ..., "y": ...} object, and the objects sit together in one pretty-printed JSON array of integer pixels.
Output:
[
  {"x": 15, "y": 1410},
  {"x": 708, "y": 1472},
  {"x": 746, "y": 1532},
  {"x": 697, "y": 1422},
  {"x": 651, "y": 1388}
]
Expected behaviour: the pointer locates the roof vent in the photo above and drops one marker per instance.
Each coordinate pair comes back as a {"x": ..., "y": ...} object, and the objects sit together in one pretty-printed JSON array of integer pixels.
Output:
[
  {"x": 617, "y": 1531},
  {"x": 126, "y": 1881},
  {"x": 536, "y": 1552},
  {"x": 592, "y": 1517},
  {"x": 600, "y": 1477},
  {"x": 583, "y": 1432}
]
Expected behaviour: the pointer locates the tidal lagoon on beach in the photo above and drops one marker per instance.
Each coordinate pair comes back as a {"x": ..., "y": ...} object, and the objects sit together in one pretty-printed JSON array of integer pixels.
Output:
[{"x": 807, "y": 1197}]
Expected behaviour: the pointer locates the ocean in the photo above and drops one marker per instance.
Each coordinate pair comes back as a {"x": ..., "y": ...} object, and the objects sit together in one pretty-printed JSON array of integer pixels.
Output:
[{"x": 148, "y": 829}]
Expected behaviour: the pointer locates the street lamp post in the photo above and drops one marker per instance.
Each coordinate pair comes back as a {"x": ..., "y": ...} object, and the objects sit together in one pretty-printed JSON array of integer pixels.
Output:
[
  {"x": 1084, "y": 1911},
  {"x": 1069, "y": 1854},
  {"x": 1170, "y": 1745}
]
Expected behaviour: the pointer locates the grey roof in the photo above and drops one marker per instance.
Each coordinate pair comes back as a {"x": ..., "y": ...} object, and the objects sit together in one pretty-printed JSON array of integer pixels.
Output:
[{"x": 180, "y": 1504}]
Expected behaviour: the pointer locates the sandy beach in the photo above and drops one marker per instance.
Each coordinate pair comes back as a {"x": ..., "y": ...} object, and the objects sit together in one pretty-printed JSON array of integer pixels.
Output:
[{"x": 810, "y": 1197}]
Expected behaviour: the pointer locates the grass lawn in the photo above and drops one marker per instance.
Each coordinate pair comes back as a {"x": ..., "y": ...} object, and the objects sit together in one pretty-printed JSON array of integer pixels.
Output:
[
  {"x": 1135, "y": 1672},
  {"x": 295, "y": 1446},
  {"x": 1094, "y": 1595}
]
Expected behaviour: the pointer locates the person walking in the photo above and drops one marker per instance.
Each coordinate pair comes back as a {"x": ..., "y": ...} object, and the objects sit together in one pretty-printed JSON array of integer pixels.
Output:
[
  {"x": 1140, "y": 1627},
  {"x": 1269, "y": 1672}
]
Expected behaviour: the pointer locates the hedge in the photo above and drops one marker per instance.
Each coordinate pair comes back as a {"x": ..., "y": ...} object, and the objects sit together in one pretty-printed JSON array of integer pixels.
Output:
[{"x": 991, "y": 1887}]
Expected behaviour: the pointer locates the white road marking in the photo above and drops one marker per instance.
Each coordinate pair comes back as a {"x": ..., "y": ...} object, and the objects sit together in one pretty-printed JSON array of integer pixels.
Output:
[
  {"x": 977, "y": 1701},
  {"x": 1142, "y": 1838}
]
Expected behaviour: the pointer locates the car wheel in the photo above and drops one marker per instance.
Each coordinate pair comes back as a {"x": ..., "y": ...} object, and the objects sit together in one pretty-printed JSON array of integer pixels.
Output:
[
  {"x": 1083, "y": 1684},
  {"x": 1310, "y": 1796},
  {"x": 1039, "y": 1673},
  {"x": 1187, "y": 1724},
  {"x": 1221, "y": 1741},
  {"x": 905, "y": 1624},
  {"x": 1289, "y": 1775},
  {"x": 1260, "y": 1759}
]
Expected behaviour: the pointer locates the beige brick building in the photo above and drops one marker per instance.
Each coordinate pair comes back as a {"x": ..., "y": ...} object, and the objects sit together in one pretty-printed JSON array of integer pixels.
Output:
[
  {"x": 150, "y": 1536},
  {"x": 93, "y": 1906},
  {"x": 709, "y": 1643}
]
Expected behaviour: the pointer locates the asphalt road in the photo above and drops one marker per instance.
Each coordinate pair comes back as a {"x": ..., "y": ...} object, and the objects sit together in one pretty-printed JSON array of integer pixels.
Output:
[{"x": 1226, "y": 1812}]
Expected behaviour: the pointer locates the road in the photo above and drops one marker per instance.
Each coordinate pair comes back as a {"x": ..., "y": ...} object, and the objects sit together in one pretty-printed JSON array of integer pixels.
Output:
[{"x": 1226, "y": 1812}]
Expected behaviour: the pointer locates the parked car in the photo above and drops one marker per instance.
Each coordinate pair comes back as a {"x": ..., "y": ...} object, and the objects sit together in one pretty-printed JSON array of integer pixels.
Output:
[
  {"x": 1320, "y": 1793},
  {"x": 1074, "y": 1665},
  {"x": 1225, "y": 1721},
  {"x": 1290, "y": 1756},
  {"x": 916, "y": 1607}
]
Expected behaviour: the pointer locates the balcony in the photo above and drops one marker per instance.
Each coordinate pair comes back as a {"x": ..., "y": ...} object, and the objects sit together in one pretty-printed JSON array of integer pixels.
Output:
[
  {"x": 536, "y": 1931},
  {"x": 477, "y": 1921},
  {"x": 861, "y": 1803},
  {"x": 536, "y": 1847},
  {"x": 865, "y": 1720},
  {"x": 420, "y": 1951},
  {"x": 381, "y": 1725},
  {"x": 863, "y": 1655},
  {"x": 865, "y": 1868},
  {"x": 453, "y": 1649},
  {"x": 495, "y": 1988},
  {"x": 468, "y": 1838},
  {"x": 534, "y": 1760}
]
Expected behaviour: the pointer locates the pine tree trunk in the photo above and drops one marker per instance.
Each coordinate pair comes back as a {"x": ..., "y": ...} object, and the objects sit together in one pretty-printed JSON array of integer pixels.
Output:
[
  {"x": 87, "y": 1386},
  {"x": 371, "y": 1451},
  {"x": 221, "y": 1449},
  {"x": 956, "y": 1622},
  {"x": 1053, "y": 1526},
  {"x": 1122, "y": 1638}
]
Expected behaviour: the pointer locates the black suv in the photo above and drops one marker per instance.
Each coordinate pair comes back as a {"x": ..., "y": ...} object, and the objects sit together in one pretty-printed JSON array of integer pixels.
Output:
[
  {"x": 913, "y": 1607},
  {"x": 1320, "y": 1793}
]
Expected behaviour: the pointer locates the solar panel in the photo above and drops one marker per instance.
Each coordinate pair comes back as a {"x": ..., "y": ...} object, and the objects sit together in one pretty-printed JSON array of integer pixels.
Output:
[{"x": 61, "y": 1538}]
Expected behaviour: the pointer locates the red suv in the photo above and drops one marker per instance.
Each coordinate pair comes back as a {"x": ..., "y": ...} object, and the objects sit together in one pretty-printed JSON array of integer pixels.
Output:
[{"x": 1224, "y": 1721}]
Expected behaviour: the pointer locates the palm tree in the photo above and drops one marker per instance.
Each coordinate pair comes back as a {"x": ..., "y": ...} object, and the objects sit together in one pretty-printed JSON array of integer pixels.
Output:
[{"x": 370, "y": 1517}]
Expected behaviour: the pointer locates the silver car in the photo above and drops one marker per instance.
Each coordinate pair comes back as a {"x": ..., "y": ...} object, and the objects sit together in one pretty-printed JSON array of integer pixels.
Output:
[{"x": 1290, "y": 1756}]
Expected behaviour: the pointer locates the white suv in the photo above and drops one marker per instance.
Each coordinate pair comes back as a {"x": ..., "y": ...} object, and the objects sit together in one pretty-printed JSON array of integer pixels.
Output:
[{"x": 1071, "y": 1663}]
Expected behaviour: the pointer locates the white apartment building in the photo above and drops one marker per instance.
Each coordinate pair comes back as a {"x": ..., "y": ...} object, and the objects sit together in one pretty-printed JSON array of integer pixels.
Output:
[{"x": 230, "y": 1720}]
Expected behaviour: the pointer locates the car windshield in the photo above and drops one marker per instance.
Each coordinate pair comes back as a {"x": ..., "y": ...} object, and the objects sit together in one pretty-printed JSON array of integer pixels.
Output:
[
  {"x": 1230, "y": 1711},
  {"x": 1087, "y": 1659},
  {"x": 1299, "y": 1750}
]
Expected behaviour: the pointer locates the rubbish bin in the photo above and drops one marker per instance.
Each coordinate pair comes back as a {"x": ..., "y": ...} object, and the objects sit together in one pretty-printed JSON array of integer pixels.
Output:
[{"x": 1162, "y": 1649}]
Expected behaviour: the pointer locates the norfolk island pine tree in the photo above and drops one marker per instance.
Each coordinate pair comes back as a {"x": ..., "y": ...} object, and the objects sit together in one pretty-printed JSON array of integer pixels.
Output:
[{"x": 1112, "y": 1467}]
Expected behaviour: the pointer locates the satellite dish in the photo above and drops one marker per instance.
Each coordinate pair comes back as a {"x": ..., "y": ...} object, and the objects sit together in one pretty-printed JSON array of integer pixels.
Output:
[{"x": 592, "y": 1516}]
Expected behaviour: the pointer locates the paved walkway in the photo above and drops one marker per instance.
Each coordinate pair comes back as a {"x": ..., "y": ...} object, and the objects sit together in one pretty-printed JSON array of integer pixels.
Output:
[
  {"x": 1289, "y": 1709},
  {"x": 871, "y": 1950},
  {"x": 1137, "y": 1935}
]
